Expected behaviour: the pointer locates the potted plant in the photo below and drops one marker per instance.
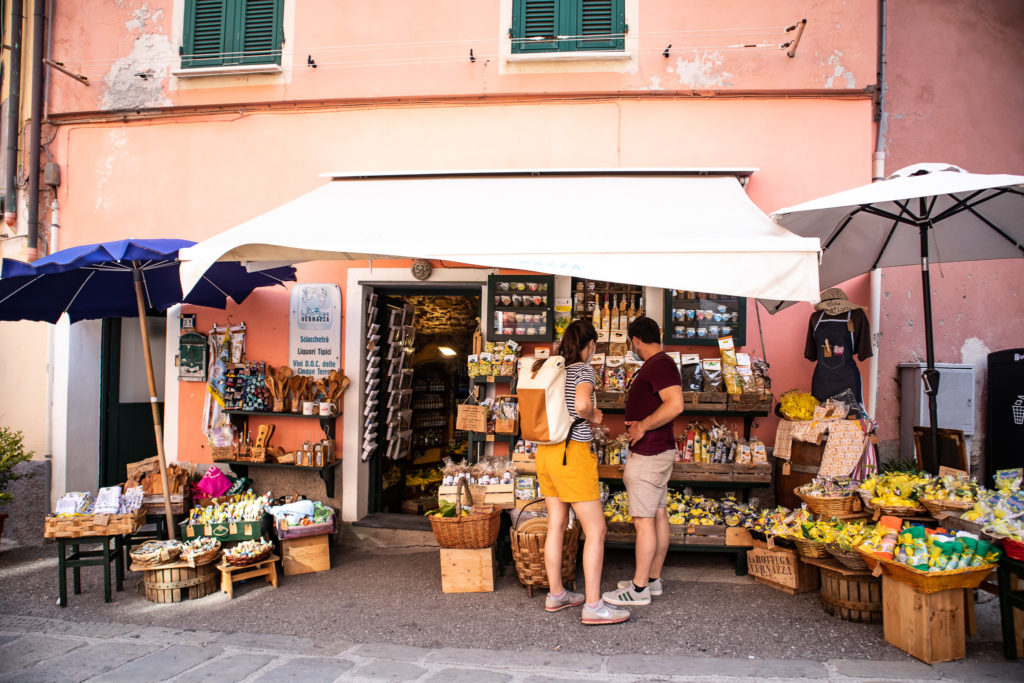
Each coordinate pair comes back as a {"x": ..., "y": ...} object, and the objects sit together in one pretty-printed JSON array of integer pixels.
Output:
[{"x": 12, "y": 452}]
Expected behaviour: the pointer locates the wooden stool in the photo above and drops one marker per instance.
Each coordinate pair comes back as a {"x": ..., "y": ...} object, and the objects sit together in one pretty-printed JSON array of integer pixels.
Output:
[{"x": 229, "y": 573}]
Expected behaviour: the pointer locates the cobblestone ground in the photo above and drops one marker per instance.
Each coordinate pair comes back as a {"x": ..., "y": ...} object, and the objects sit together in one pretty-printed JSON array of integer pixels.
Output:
[{"x": 382, "y": 616}]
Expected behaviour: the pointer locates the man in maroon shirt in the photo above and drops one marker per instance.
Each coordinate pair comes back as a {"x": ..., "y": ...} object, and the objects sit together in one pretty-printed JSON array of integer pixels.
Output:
[{"x": 655, "y": 400}]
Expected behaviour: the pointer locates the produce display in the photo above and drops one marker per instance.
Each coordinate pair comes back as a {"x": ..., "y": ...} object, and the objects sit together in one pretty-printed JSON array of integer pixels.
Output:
[
  {"x": 687, "y": 510},
  {"x": 496, "y": 359},
  {"x": 895, "y": 489},
  {"x": 949, "y": 488},
  {"x": 797, "y": 405},
  {"x": 249, "y": 550},
  {"x": 446, "y": 509},
  {"x": 245, "y": 508},
  {"x": 1001, "y": 512}
]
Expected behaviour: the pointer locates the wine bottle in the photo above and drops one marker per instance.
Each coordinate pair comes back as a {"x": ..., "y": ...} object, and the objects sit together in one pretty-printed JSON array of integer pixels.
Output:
[
  {"x": 615, "y": 314},
  {"x": 606, "y": 314},
  {"x": 631, "y": 312},
  {"x": 597, "y": 311}
]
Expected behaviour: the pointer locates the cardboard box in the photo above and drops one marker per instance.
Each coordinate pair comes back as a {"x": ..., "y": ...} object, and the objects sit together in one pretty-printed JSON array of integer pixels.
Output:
[
  {"x": 782, "y": 568},
  {"x": 468, "y": 571},
  {"x": 306, "y": 554}
]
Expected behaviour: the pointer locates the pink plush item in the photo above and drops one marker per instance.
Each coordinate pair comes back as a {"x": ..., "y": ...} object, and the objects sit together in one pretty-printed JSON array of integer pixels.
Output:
[{"x": 214, "y": 483}]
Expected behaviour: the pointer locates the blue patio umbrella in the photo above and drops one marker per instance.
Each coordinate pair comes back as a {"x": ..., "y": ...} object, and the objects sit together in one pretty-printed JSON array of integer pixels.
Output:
[{"x": 123, "y": 279}]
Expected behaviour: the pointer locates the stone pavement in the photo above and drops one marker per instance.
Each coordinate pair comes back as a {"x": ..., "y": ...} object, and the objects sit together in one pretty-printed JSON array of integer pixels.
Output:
[{"x": 46, "y": 649}]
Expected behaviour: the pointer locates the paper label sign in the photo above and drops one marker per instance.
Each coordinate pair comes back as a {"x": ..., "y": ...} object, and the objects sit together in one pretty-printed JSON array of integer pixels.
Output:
[{"x": 314, "y": 329}]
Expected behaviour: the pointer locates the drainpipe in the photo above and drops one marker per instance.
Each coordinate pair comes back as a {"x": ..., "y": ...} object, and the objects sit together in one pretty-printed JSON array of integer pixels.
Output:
[
  {"x": 13, "y": 114},
  {"x": 878, "y": 173},
  {"x": 35, "y": 127}
]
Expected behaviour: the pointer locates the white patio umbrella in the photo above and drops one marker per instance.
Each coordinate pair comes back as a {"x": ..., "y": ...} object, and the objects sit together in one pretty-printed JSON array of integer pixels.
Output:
[{"x": 923, "y": 214}]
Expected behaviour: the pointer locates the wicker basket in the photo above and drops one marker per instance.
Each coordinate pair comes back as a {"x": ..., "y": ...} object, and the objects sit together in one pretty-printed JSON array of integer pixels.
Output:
[
  {"x": 933, "y": 582},
  {"x": 147, "y": 558},
  {"x": 253, "y": 559},
  {"x": 477, "y": 530},
  {"x": 809, "y": 548},
  {"x": 900, "y": 510},
  {"x": 865, "y": 498},
  {"x": 850, "y": 559},
  {"x": 934, "y": 507},
  {"x": 205, "y": 557},
  {"x": 528, "y": 540},
  {"x": 827, "y": 505}
]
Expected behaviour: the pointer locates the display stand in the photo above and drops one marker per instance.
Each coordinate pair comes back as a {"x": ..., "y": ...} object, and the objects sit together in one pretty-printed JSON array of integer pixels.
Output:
[
  {"x": 229, "y": 573},
  {"x": 1011, "y": 605},
  {"x": 928, "y": 626},
  {"x": 112, "y": 549}
]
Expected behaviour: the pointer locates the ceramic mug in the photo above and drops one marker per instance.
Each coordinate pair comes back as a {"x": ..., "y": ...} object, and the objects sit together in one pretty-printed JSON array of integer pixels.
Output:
[
  {"x": 328, "y": 409},
  {"x": 309, "y": 408}
]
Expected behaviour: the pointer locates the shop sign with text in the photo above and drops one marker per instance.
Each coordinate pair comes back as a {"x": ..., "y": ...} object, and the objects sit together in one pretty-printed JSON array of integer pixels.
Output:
[{"x": 314, "y": 329}]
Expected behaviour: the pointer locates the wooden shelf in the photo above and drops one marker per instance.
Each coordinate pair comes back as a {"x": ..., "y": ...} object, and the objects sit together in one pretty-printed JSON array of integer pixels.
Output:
[
  {"x": 241, "y": 468},
  {"x": 327, "y": 424}
]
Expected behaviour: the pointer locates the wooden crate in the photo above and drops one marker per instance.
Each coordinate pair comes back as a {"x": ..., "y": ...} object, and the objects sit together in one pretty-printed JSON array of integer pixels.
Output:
[
  {"x": 752, "y": 474},
  {"x": 305, "y": 555},
  {"x": 180, "y": 581},
  {"x": 738, "y": 536},
  {"x": 468, "y": 571},
  {"x": 712, "y": 398},
  {"x": 928, "y": 626},
  {"x": 94, "y": 525},
  {"x": 705, "y": 535},
  {"x": 781, "y": 568}
]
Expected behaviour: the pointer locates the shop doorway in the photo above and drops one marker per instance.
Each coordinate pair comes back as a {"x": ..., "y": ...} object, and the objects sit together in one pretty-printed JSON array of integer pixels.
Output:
[
  {"x": 126, "y": 420},
  {"x": 418, "y": 397}
]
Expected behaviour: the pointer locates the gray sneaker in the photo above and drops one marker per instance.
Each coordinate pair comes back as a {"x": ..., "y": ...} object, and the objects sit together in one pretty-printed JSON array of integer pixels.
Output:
[
  {"x": 628, "y": 596},
  {"x": 655, "y": 586},
  {"x": 570, "y": 599},
  {"x": 604, "y": 614}
]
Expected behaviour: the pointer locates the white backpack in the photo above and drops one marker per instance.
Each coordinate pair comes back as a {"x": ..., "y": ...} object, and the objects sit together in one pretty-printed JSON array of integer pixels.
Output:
[{"x": 543, "y": 415}]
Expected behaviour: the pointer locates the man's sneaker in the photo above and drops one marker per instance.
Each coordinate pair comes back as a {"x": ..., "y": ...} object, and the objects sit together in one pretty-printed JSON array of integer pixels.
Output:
[
  {"x": 628, "y": 596},
  {"x": 654, "y": 586},
  {"x": 604, "y": 614},
  {"x": 568, "y": 599}
]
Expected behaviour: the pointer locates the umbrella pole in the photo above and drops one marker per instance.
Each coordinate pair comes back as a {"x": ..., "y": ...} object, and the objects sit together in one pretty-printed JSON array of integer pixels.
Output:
[
  {"x": 157, "y": 426},
  {"x": 930, "y": 376}
]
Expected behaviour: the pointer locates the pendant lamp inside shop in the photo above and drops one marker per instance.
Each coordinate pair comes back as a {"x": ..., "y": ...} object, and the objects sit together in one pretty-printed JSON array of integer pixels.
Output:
[{"x": 426, "y": 338}]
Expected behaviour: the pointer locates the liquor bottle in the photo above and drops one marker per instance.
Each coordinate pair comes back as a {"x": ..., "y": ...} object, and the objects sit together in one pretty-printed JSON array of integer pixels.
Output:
[
  {"x": 597, "y": 311},
  {"x": 622, "y": 308},
  {"x": 640, "y": 308},
  {"x": 606, "y": 315},
  {"x": 615, "y": 314},
  {"x": 631, "y": 312}
]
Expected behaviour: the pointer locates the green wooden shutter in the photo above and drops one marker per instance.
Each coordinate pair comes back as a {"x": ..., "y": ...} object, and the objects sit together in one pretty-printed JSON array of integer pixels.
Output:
[
  {"x": 534, "y": 19},
  {"x": 604, "y": 19},
  {"x": 205, "y": 33},
  {"x": 259, "y": 32}
]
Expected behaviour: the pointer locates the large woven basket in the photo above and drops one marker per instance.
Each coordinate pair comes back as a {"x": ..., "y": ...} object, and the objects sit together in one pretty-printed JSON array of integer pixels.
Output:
[
  {"x": 933, "y": 582},
  {"x": 477, "y": 530},
  {"x": 934, "y": 507},
  {"x": 528, "y": 540},
  {"x": 252, "y": 559},
  {"x": 809, "y": 548},
  {"x": 850, "y": 559},
  {"x": 827, "y": 505},
  {"x": 150, "y": 555}
]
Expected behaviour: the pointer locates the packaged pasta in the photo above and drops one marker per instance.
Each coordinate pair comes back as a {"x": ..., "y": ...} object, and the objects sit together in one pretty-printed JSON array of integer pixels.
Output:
[
  {"x": 632, "y": 367},
  {"x": 597, "y": 363},
  {"x": 473, "y": 365},
  {"x": 731, "y": 378},
  {"x": 485, "y": 363},
  {"x": 727, "y": 350}
]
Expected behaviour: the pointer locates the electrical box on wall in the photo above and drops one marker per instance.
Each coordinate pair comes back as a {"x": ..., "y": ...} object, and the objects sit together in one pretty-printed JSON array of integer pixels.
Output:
[
  {"x": 955, "y": 401},
  {"x": 51, "y": 174}
]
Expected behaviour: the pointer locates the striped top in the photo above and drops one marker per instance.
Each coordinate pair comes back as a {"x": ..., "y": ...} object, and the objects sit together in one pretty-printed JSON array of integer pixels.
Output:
[{"x": 576, "y": 374}]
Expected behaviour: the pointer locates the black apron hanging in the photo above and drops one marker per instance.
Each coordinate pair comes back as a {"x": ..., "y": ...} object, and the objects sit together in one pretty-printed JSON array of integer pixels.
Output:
[{"x": 836, "y": 369}]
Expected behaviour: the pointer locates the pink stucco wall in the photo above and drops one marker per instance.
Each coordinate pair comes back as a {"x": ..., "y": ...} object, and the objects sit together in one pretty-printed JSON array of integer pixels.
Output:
[{"x": 955, "y": 96}]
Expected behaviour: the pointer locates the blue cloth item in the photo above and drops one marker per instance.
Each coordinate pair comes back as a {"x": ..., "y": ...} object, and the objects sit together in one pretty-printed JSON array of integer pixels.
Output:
[
  {"x": 295, "y": 512},
  {"x": 96, "y": 281}
]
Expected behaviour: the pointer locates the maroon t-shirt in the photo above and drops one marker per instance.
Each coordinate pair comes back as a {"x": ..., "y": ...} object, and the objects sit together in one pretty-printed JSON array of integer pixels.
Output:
[{"x": 658, "y": 372}]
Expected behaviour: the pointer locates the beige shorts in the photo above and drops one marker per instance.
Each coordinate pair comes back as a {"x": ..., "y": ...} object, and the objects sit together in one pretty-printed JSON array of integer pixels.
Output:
[{"x": 646, "y": 479}]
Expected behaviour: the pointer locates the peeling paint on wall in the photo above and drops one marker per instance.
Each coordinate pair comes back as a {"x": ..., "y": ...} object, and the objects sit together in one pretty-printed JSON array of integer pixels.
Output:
[
  {"x": 137, "y": 80},
  {"x": 655, "y": 83},
  {"x": 839, "y": 71},
  {"x": 703, "y": 71},
  {"x": 116, "y": 139}
]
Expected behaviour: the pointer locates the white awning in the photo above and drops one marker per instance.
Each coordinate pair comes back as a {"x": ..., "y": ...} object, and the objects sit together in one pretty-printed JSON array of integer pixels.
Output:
[{"x": 669, "y": 229}]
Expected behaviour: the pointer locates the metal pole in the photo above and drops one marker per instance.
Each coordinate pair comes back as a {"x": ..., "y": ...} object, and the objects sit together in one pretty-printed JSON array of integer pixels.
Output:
[
  {"x": 35, "y": 129},
  {"x": 157, "y": 426},
  {"x": 930, "y": 376},
  {"x": 13, "y": 117}
]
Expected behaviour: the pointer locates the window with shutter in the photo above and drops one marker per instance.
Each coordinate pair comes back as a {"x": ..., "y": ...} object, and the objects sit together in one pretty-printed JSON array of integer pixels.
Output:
[
  {"x": 568, "y": 25},
  {"x": 230, "y": 32}
]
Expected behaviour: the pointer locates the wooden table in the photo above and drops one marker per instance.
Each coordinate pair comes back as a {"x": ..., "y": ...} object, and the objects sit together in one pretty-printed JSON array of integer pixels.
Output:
[
  {"x": 229, "y": 573},
  {"x": 112, "y": 550}
]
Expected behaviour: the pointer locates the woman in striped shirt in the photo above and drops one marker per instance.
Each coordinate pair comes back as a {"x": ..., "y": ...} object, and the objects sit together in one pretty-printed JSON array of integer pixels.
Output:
[{"x": 567, "y": 473}]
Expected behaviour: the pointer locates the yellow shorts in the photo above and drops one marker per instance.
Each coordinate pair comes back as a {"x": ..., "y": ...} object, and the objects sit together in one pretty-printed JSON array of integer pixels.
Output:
[{"x": 574, "y": 482}]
